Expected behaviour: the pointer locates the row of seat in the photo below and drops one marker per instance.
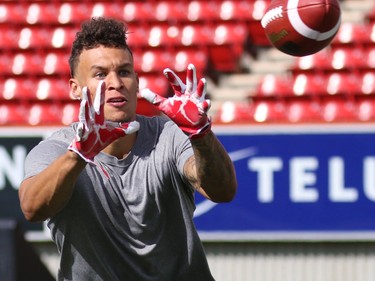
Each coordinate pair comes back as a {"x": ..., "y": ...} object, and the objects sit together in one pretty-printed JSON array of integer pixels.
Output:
[
  {"x": 338, "y": 59},
  {"x": 68, "y": 13},
  {"x": 355, "y": 35},
  {"x": 139, "y": 36},
  {"x": 313, "y": 85},
  {"x": 47, "y": 113},
  {"x": 57, "y": 89},
  {"x": 296, "y": 111}
]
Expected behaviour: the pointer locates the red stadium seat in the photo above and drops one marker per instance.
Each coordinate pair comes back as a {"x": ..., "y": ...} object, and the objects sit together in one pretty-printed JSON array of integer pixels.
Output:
[
  {"x": 366, "y": 110},
  {"x": 173, "y": 12},
  {"x": 9, "y": 37},
  {"x": 12, "y": 114},
  {"x": 231, "y": 113},
  {"x": 73, "y": 12},
  {"x": 352, "y": 35},
  {"x": 152, "y": 61},
  {"x": 156, "y": 83},
  {"x": 18, "y": 89},
  {"x": 310, "y": 85},
  {"x": 239, "y": 10},
  {"x": 272, "y": 86},
  {"x": 368, "y": 83},
  {"x": 138, "y": 12},
  {"x": 69, "y": 112},
  {"x": 337, "y": 110},
  {"x": 270, "y": 111},
  {"x": 181, "y": 59},
  {"x": 229, "y": 40},
  {"x": 44, "y": 114},
  {"x": 302, "y": 110},
  {"x": 318, "y": 62},
  {"x": 13, "y": 13},
  {"x": 203, "y": 11},
  {"x": 347, "y": 84},
  {"x": 54, "y": 89}
]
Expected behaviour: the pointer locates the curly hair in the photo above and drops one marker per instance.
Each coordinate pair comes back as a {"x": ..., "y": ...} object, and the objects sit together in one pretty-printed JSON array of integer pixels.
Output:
[{"x": 98, "y": 31}]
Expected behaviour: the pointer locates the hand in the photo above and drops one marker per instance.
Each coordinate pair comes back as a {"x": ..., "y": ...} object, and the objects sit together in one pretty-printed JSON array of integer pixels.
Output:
[
  {"x": 188, "y": 107},
  {"x": 93, "y": 133}
]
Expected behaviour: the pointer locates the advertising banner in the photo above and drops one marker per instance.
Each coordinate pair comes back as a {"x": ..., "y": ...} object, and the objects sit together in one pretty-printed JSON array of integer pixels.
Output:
[{"x": 294, "y": 183}]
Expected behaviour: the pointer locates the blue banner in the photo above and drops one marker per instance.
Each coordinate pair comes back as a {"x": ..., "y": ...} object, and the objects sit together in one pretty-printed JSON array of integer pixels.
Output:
[{"x": 299, "y": 183}]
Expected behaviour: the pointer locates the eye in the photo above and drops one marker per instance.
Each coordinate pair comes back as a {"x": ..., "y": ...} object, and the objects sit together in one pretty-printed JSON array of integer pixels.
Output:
[
  {"x": 100, "y": 75},
  {"x": 124, "y": 72}
]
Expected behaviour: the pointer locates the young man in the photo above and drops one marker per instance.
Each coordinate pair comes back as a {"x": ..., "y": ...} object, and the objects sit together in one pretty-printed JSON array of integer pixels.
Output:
[{"x": 117, "y": 188}]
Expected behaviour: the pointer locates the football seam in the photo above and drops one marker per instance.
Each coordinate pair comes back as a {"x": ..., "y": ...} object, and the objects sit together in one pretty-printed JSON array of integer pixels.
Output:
[{"x": 271, "y": 15}]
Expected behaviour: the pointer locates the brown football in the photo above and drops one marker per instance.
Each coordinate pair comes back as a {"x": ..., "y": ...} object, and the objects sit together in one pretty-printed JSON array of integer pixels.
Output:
[{"x": 301, "y": 27}]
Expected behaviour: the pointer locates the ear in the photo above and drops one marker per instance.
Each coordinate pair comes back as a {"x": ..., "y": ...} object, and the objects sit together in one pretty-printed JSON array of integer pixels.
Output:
[{"x": 74, "y": 89}]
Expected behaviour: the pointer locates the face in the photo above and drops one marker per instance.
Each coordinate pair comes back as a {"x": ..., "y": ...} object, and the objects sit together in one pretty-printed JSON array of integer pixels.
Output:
[{"x": 115, "y": 67}]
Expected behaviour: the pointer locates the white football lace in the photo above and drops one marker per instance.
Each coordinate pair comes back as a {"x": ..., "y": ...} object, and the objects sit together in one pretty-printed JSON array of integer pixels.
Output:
[{"x": 271, "y": 15}]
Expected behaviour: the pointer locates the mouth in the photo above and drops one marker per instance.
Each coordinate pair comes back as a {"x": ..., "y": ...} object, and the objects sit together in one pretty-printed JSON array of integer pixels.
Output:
[{"x": 117, "y": 101}]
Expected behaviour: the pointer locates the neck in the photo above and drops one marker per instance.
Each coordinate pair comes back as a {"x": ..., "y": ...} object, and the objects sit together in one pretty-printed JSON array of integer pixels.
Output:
[{"x": 121, "y": 147}]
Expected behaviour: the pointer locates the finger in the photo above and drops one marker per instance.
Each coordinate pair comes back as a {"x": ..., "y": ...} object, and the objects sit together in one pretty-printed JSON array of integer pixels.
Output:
[
  {"x": 151, "y": 97},
  {"x": 130, "y": 128},
  {"x": 191, "y": 79},
  {"x": 177, "y": 85},
  {"x": 200, "y": 93},
  {"x": 86, "y": 106},
  {"x": 205, "y": 106},
  {"x": 99, "y": 103}
]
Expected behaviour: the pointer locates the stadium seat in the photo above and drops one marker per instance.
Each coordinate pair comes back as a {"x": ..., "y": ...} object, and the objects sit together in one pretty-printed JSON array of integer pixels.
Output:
[
  {"x": 269, "y": 112},
  {"x": 72, "y": 13},
  {"x": 152, "y": 61},
  {"x": 140, "y": 12},
  {"x": 339, "y": 110},
  {"x": 309, "y": 85},
  {"x": 156, "y": 83},
  {"x": 352, "y": 35},
  {"x": 234, "y": 113},
  {"x": 347, "y": 84},
  {"x": 203, "y": 11},
  {"x": 317, "y": 63},
  {"x": 12, "y": 114},
  {"x": 303, "y": 110},
  {"x": 273, "y": 86},
  {"x": 18, "y": 89},
  {"x": 368, "y": 83},
  {"x": 69, "y": 113},
  {"x": 43, "y": 114},
  {"x": 182, "y": 58},
  {"x": 173, "y": 12},
  {"x": 239, "y": 10},
  {"x": 53, "y": 89},
  {"x": 8, "y": 37},
  {"x": 366, "y": 110},
  {"x": 13, "y": 13},
  {"x": 229, "y": 40}
]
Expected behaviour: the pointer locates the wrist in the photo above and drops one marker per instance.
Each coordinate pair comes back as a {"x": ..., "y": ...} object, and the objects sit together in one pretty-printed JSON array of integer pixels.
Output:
[{"x": 202, "y": 132}]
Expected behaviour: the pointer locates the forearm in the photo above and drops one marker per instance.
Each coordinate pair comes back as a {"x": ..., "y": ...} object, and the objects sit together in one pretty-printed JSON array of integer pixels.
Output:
[
  {"x": 45, "y": 194},
  {"x": 211, "y": 169}
]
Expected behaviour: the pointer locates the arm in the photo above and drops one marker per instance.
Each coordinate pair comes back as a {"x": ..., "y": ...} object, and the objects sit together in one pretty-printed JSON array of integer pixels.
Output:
[
  {"x": 210, "y": 170},
  {"x": 45, "y": 194}
]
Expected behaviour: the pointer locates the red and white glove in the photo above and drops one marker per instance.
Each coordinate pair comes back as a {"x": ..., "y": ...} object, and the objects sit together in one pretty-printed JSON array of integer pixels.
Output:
[
  {"x": 93, "y": 133},
  {"x": 188, "y": 107}
]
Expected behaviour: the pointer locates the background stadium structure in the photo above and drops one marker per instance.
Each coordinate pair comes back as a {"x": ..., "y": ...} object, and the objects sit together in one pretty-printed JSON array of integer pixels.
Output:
[{"x": 249, "y": 83}]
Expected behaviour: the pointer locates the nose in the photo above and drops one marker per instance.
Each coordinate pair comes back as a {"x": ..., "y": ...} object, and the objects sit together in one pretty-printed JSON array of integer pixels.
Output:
[{"x": 114, "y": 81}]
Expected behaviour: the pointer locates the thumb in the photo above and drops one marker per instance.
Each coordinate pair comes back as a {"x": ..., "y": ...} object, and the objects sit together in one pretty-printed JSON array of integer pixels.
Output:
[
  {"x": 130, "y": 128},
  {"x": 151, "y": 97}
]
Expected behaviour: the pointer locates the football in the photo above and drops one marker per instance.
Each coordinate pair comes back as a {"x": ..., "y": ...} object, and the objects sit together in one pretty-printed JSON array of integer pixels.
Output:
[{"x": 301, "y": 27}]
